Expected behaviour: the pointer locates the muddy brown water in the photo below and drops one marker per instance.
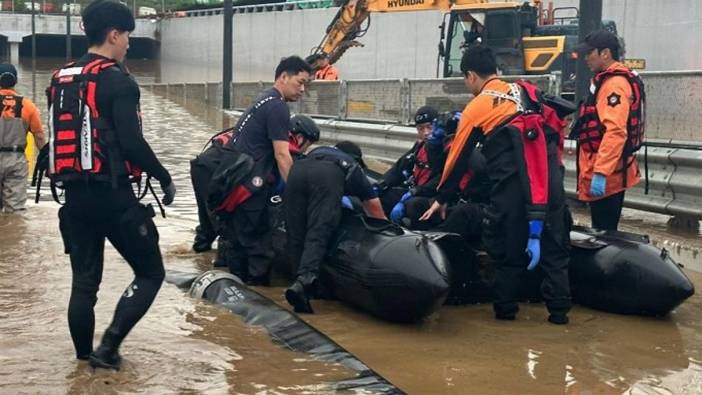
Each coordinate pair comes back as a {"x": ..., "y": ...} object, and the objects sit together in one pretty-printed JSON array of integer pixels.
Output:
[{"x": 187, "y": 346}]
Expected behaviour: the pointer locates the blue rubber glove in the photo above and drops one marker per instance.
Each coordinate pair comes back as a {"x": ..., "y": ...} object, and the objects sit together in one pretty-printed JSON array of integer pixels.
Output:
[
  {"x": 438, "y": 133},
  {"x": 346, "y": 202},
  {"x": 598, "y": 185},
  {"x": 406, "y": 197},
  {"x": 533, "y": 248},
  {"x": 397, "y": 213},
  {"x": 279, "y": 187}
]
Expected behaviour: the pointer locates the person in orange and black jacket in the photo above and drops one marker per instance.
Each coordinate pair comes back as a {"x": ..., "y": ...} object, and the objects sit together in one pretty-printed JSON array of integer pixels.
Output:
[
  {"x": 527, "y": 203},
  {"x": 609, "y": 130},
  {"x": 18, "y": 115}
]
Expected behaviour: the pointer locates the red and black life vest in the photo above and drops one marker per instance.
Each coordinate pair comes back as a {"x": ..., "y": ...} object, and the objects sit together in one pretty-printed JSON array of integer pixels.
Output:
[
  {"x": 528, "y": 134},
  {"x": 421, "y": 172},
  {"x": 467, "y": 175},
  {"x": 555, "y": 126},
  {"x": 82, "y": 144},
  {"x": 589, "y": 130}
]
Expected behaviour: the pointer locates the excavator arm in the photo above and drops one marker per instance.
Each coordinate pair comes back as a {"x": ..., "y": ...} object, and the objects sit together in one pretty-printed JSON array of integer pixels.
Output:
[{"x": 347, "y": 25}]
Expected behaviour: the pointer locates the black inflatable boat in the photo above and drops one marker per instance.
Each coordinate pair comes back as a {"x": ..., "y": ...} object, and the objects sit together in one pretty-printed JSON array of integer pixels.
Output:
[
  {"x": 402, "y": 276},
  {"x": 381, "y": 268}
]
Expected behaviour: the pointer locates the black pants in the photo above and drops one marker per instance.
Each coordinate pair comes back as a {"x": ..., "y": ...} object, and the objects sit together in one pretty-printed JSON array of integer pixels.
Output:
[
  {"x": 312, "y": 213},
  {"x": 505, "y": 235},
  {"x": 605, "y": 213},
  {"x": 465, "y": 219},
  {"x": 248, "y": 231},
  {"x": 200, "y": 177},
  {"x": 93, "y": 213},
  {"x": 415, "y": 208}
]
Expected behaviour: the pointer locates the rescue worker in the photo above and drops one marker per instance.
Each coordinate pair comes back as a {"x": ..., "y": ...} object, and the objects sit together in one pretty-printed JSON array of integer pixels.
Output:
[
  {"x": 98, "y": 91},
  {"x": 261, "y": 134},
  {"x": 325, "y": 70},
  {"x": 201, "y": 169},
  {"x": 313, "y": 210},
  {"x": 18, "y": 115},
  {"x": 527, "y": 206},
  {"x": 609, "y": 130},
  {"x": 303, "y": 133},
  {"x": 413, "y": 168}
]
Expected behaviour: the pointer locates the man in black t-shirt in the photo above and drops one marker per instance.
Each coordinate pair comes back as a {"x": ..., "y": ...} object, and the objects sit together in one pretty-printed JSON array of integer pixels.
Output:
[
  {"x": 313, "y": 210},
  {"x": 100, "y": 202},
  {"x": 262, "y": 133}
]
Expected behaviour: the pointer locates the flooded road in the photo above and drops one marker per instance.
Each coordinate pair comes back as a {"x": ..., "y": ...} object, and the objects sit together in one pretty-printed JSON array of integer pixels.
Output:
[{"x": 186, "y": 346}]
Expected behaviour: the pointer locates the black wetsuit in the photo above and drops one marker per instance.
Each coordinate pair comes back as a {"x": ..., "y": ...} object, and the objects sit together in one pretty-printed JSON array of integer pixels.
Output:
[
  {"x": 313, "y": 205},
  {"x": 95, "y": 211}
]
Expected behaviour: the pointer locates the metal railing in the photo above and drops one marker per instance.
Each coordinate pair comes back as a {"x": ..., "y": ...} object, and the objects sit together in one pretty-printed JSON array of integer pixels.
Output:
[
  {"x": 283, "y": 6},
  {"x": 675, "y": 176},
  {"x": 374, "y": 113},
  {"x": 673, "y": 99},
  {"x": 380, "y": 100}
]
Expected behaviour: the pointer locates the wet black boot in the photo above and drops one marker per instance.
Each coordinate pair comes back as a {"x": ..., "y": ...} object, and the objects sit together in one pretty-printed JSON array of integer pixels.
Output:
[
  {"x": 202, "y": 242},
  {"x": 107, "y": 354},
  {"x": 298, "y": 298},
  {"x": 558, "y": 319}
]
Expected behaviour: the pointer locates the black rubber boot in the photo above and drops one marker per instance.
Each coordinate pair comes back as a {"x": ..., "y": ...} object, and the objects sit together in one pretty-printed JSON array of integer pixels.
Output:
[
  {"x": 558, "y": 319},
  {"x": 202, "y": 242},
  {"x": 107, "y": 354},
  {"x": 106, "y": 357},
  {"x": 298, "y": 298},
  {"x": 505, "y": 317},
  {"x": 201, "y": 245}
]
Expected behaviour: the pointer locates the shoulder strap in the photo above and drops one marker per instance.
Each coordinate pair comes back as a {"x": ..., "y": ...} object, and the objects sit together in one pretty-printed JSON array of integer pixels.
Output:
[
  {"x": 18, "y": 103},
  {"x": 514, "y": 95}
]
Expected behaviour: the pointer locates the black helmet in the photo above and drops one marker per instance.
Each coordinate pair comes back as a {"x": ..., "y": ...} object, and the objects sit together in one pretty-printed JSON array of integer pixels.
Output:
[{"x": 301, "y": 124}]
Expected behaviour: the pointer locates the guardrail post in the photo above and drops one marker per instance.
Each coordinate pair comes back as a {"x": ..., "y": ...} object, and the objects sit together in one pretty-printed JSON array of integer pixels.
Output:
[
  {"x": 343, "y": 99},
  {"x": 554, "y": 83},
  {"x": 405, "y": 101}
]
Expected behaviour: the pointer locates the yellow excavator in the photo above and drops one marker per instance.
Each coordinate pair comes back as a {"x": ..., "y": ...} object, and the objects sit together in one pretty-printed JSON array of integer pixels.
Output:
[{"x": 526, "y": 38}]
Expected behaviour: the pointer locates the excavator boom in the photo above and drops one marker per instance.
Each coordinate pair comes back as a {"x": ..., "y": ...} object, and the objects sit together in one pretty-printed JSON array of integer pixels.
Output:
[{"x": 347, "y": 25}]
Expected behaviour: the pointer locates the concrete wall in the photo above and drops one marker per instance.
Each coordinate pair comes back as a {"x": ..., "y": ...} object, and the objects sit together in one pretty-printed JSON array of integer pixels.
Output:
[
  {"x": 396, "y": 45},
  {"x": 400, "y": 45},
  {"x": 16, "y": 26},
  {"x": 665, "y": 33}
]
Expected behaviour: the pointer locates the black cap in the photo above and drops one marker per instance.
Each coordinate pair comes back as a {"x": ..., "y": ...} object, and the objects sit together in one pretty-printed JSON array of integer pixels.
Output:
[
  {"x": 599, "y": 39},
  {"x": 8, "y": 75},
  {"x": 353, "y": 150},
  {"x": 425, "y": 114}
]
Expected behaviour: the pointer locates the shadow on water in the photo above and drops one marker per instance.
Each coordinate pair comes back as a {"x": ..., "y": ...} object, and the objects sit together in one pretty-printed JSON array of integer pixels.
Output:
[{"x": 187, "y": 346}]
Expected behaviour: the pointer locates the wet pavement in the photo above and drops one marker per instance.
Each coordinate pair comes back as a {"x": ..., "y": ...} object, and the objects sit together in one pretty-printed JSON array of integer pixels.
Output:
[{"x": 186, "y": 346}]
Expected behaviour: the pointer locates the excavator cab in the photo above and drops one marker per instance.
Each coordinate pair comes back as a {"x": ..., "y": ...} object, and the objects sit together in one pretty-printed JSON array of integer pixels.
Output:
[{"x": 502, "y": 27}]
